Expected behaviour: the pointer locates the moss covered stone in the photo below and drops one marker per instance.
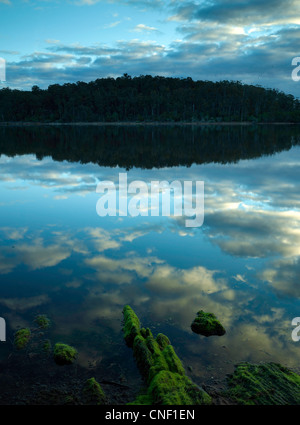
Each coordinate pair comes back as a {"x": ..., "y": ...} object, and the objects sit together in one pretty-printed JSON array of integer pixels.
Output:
[
  {"x": 21, "y": 338},
  {"x": 264, "y": 384},
  {"x": 170, "y": 388},
  {"x": 160, "y": 367},
  {"x": 131, "y": 325},
  {"x": 63, "y": 354},
  {"x": 42, "y": 321},
  {"x": 93, "y": 393},
  {"x": 162, "y": 340},
  {"x": 207, "y": 324}
]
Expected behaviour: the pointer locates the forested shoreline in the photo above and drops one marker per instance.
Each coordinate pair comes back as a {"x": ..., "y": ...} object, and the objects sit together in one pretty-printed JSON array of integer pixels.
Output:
[{"x": 148, "y": 99}]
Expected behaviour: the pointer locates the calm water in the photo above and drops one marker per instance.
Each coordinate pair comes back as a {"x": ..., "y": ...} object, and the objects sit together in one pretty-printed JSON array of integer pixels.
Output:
[{"x": 58, "y": 257}]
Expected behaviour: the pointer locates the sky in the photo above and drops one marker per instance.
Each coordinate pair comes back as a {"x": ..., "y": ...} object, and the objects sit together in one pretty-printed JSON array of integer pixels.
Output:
[{"x": 46, "y": 42}]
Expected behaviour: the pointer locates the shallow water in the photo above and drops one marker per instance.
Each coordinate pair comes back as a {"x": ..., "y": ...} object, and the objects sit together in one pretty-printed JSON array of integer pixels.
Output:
[{"x": 59, "y": 258}]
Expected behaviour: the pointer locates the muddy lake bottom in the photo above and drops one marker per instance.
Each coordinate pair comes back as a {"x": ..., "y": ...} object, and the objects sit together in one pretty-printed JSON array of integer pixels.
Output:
[{"x": 29, "y": 380}]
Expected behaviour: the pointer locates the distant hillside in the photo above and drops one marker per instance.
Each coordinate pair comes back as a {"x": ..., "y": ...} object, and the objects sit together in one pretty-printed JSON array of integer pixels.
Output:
[{"x": 148, "y": 98}]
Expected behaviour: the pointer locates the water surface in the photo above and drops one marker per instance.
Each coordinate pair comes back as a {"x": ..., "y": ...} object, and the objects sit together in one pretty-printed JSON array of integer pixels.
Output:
[{"x": 58, "y": 257}]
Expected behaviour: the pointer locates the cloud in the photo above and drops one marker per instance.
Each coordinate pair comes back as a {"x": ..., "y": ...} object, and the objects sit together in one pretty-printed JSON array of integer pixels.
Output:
[
  {"x": 238, "y": 13},
  {"x": 255, "y": 233},
  {"x": 62, "y": 177},
  {"x": 198, "y": 280},
  {"x": 124, "y": 270},
  {"x": 252, "y": 42},
  {"x": 102, "y": 239},
  {"x": 9, "y": 52},
  {"x": 13, "y": 233},
  {"x": 36, "y": 250},
  {"x": 112, "y": 25},
  {"x": 139, "y": 3},
  {"x": 204, "y": 53},
  {"x": 24, "y": 303},
  {"x": 146, "y": 28},
  {"x": 283, "y": 276}
]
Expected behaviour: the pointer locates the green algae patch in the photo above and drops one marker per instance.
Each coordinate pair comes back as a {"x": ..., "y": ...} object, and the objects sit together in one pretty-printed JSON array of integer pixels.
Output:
[
  {"x": 264, "y": 384},
  {"x": 93, "y": 393},
  {"x": 64, "y": 354},
  {"x": 21, "y": 338},
  {"x": 207, "y": 324},
  {"x": 42, "y": 321},
  {"x": 160, "y": 367}
]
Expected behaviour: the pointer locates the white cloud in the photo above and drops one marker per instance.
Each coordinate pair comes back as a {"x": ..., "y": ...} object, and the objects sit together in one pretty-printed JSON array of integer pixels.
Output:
[
  {"x": 112, "y": 25},
  {"x": 142, "y": 27}
]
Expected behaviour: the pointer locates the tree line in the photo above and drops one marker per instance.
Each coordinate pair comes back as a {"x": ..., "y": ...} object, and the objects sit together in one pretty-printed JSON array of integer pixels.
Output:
[{"x": 147, "y": 98}]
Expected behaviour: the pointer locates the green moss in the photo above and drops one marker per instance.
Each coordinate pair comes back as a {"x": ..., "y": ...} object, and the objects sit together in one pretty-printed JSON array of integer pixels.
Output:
[
  {"x": 264, "y": 384},
  {"x": 131, "y": 325},
  {"x": 169, "y": 388},
  {"x": 207, "y": 324},
  {"x": 42, "y": 321},
  {"x": 47, "y": 345},
  {"x": 143, "y": 356},
  {"x": 63, "y": 354},
  {"x": 173, "y": 361},
  {"x": 160, "y": 368},
  {"x": 69, "y": 399},
  {"x": 21, "y": 338},
  {"x": 93, "y": 393},
  {"x": 162, "y": 341},
  {"x": 142, "y": 399}
]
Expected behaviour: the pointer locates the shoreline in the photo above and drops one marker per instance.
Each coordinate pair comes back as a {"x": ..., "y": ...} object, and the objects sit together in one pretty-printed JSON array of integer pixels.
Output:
[{"x": 140, "y": 124}]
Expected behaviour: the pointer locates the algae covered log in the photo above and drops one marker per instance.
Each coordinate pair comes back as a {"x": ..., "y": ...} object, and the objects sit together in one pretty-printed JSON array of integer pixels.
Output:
[
  {"x": 264, "y": 384},
  {"x": 207, "y": 324},
  {"x": 160, "y": 367}
]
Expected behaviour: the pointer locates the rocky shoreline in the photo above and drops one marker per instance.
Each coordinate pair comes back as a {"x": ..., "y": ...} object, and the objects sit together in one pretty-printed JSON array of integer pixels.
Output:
[{"x": 30, "y": 376}]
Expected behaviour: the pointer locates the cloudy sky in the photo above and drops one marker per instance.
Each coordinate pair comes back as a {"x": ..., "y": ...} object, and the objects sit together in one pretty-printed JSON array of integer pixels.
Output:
[{"x": 55, "y": 41}]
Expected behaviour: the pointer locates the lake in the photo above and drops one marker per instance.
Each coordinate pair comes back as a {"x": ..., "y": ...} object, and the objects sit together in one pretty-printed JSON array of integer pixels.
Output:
[{"x": 60, "y": 258}]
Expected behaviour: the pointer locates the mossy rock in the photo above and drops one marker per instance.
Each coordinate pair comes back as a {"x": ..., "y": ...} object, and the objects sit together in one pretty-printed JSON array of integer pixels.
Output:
[
  {"x": 160, "y": 367},
  {"x": 42, "y": 321},
  {"x": 264, "y": 384},
  {"x": 162, "y": 340},
  {"x": 169, "y": 388},
  {"x": 22, "y": 337},
  {"x": 207, "y": 324},
  {"x": 93, "y": 393},
  {"x": 131, "y": 325},
  {"x": 64, "y": 354}
]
